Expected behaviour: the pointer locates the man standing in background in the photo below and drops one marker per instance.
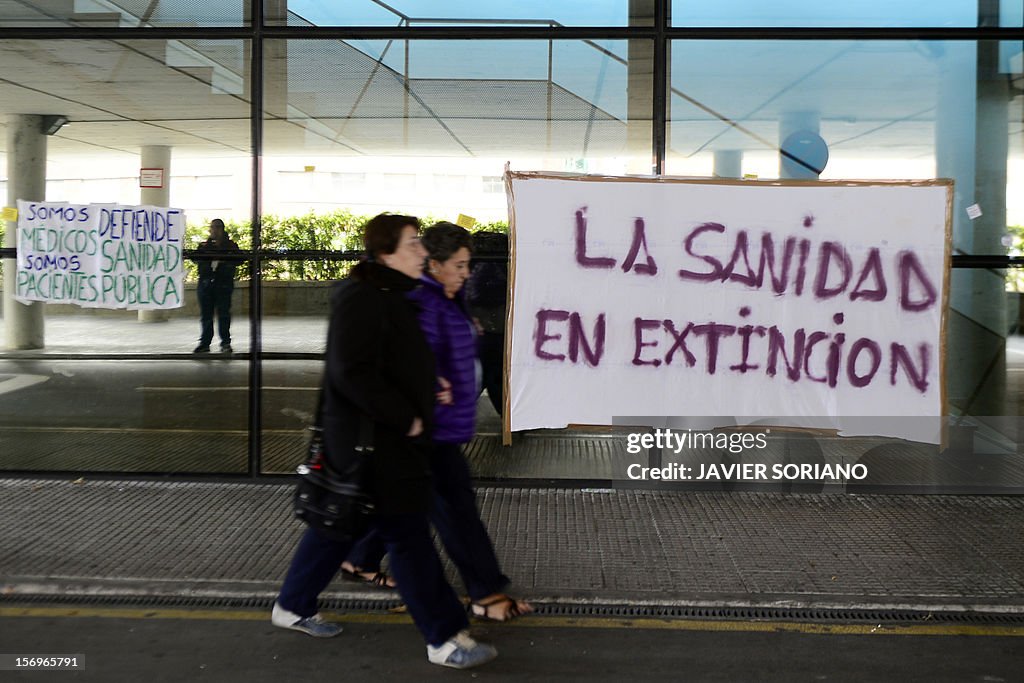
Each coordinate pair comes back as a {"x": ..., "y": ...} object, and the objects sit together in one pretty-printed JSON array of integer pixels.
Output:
[{"x": 216, "y": 284}]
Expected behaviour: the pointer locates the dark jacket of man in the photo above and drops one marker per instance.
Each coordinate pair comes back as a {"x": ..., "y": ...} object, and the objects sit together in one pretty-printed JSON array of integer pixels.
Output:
[
  {"x": 378, "y": 363},
  {"x": 488, "y": 282},
  {"x": 219, "y": 272}
]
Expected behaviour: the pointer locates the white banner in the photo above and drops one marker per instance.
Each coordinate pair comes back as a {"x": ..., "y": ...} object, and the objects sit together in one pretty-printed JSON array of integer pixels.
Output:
[
  {"x": 100, "y": 255},
  {"x": 679, "y": 297}
]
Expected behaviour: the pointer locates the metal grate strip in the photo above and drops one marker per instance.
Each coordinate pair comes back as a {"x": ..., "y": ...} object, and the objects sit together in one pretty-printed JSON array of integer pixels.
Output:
[{"x": 725, "y": 613}]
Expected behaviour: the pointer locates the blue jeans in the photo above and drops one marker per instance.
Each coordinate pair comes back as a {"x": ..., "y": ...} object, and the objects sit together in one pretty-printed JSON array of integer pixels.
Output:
[
  {"x": 432, "y": 603},
  {"x": 457, "y": 520}
]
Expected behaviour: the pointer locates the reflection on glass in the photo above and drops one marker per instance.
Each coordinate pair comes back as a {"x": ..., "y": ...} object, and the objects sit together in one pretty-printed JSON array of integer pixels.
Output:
[
  {"x": 900, "y": 110},
  {"x": 296, "y": 301},
  {"x": 74, "y": 330},
  {"x": 123, "y": 416},
  {"x": 864, "y": 13},
  {"x": 454, "y": 13},
  {"x": 288, "y": 402},
  {"x": 177, "y": 107},
  {"x": 124, "y": 13},
  {"x": 426, "y": 127},
  {"x": 878, "y": 109}
]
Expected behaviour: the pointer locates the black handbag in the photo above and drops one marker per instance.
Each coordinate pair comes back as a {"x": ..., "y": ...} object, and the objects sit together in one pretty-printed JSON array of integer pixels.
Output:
[{"x": 337, "y": 506}]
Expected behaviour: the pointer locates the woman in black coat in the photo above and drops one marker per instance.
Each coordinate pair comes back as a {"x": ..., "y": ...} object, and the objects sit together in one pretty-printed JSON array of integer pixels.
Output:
[
  {"x": 379, "y": 365},
  {"x": 452, "y": 337}
]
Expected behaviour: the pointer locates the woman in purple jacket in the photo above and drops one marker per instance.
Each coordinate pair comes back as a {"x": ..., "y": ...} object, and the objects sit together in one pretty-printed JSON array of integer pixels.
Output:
[{"x": 452, "y": 336}]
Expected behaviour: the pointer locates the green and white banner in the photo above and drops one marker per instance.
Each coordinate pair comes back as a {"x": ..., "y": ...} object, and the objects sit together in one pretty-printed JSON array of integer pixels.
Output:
[{"x": 100, "y": 255}]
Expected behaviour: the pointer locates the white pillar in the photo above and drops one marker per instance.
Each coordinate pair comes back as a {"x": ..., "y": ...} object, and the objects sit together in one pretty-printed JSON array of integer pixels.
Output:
[
  {"x": 156, "y": 156},
  {"x": 640, "y": 92},
  {"x": 26, "y": 179},
  {"x": 954, "y": 134},
  {"x": 971, "y": 137},
  {"x": 728, "y": 163}
]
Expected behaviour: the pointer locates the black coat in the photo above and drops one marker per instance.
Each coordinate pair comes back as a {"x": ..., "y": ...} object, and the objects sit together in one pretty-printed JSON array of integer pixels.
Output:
[
  {"x": 378, "y": 363},
  {"x": 221, "y": 273}
]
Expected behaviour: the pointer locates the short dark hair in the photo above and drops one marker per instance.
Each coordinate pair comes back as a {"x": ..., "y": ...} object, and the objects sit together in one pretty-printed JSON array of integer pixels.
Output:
[
  {"x": 216, "y": 222},
  {"x": 443, "y": 239},
  {"x": 382, "y": 232}
]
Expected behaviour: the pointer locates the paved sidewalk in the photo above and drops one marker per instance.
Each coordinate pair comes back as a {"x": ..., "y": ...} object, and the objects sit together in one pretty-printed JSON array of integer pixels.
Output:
[
  {"x": 601, "y": 546},
  {"x": 120, "y": 332}
]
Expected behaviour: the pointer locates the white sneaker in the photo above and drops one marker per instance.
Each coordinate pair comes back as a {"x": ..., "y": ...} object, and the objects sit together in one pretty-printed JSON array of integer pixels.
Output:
[
  {"x": 314, "y": 625},
  {"x": 461, "y": 652}
]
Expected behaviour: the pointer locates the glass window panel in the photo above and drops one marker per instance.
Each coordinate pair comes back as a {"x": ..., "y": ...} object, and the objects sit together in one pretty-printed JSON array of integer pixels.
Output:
[
  {"x": 864, "y": 13},
  {"x": 296, "y": 294},
  {"x": 126, "y": 103},
  {"x": 896, "y": 110},
  {"x": 123, "y": 416},
  {"x": 124, "y": 13},
  {"x": 883, "y": 109},
  {"x": 984, "y": 366},
  {"x": 290, "y": 391},
  {"x": 73, "y": 330},
  {"x": 454, "y": 13},
  {"x": 429, "y": 137},
  {"x": 296, "y": 309}
]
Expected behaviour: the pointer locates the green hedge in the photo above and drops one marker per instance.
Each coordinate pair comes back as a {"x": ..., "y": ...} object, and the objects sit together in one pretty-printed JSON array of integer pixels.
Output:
[
  {"x": 1015, "y": 276},
  {"x": 340, "y": 230},
  {"x": 343, "y": 230}
]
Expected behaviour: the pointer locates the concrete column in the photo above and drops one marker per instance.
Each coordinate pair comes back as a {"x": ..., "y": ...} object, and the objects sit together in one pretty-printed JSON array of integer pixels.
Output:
[
  {"x": 728, "y": 163},
  {"x": 955, "y": 124},
  {"x": 971, "y": 147},
  {"x": 275, "y": 62},
  {"x": 156, "y": 156},
  {"x": 26, "y": 179},
  {"x": 640, "y": 92}
]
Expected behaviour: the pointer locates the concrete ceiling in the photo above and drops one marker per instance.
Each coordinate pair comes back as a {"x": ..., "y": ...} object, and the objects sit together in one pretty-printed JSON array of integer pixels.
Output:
[
  {"x": 193, "y": 96},
  {"x": 330, "y": 98}
]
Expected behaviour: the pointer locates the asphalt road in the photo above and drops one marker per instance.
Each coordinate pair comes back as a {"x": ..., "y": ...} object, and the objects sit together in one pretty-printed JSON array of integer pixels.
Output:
[{"x": 241, "y": 646}]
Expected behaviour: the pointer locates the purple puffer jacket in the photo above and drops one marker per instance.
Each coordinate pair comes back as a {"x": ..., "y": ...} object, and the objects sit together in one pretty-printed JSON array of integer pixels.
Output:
[{"x": 452, "y": 337}]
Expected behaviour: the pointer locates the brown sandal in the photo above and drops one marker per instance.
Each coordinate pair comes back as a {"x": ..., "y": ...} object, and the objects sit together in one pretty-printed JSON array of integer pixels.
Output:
[{"x": 504, "y": 608}]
